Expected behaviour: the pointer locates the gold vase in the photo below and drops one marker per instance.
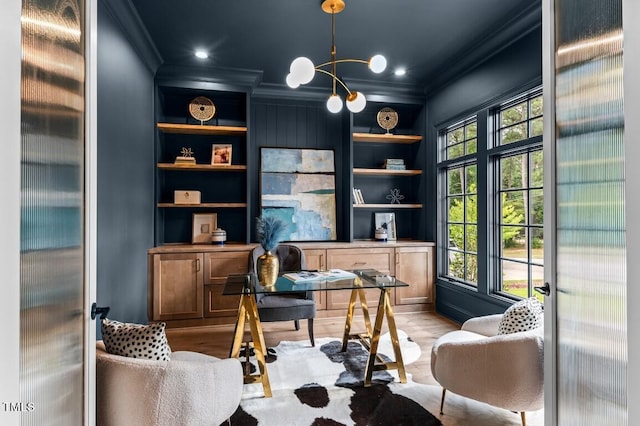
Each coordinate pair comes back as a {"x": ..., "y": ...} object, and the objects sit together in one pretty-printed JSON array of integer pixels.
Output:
[{"x": 268, "y": 266}]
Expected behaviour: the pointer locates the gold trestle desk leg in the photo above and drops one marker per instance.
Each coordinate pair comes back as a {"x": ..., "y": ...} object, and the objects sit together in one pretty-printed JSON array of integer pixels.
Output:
[
  {"x": 391, "y": 321},
  {"x": 349, "y": 321},
  {"x": 365, "y": 311},
  {"x": 238, "y": 333},
  {"x": 259, "y": 345},
  {"x": 249, "y": 311},
  {"x": 375, "y": 338}
]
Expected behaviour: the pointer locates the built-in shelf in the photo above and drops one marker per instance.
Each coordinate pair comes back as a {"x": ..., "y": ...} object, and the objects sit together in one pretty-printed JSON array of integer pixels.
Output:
[
  {"x": 388, "y": 206},
  {"x": 386, "y": 172},
  {"x": 386, "y": 138},
  {"x": 196, "y": 129},
  {"x": 205, "y": 205},
  {"x": 202, "y": 167}
]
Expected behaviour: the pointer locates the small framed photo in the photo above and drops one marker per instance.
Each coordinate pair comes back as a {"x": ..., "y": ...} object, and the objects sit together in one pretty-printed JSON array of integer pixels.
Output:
[
  {"x": 203, "y": 226},
  {"x": 388, "y": 222},
  {"x": 221, "y": 155}
]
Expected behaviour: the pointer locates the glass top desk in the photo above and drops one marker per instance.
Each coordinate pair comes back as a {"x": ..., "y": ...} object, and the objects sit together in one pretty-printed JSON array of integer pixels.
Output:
[{"x": 246, "y": 285}]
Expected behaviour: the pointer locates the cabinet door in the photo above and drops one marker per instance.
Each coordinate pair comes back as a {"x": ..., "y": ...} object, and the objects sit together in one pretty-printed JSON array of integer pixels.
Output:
[
  {"x": 317, "y": 259},
  {"x": 380, "y": 259},
  {"x": 218, "y": 305},
  {"x": 217, "y": 267},
  {"x": 414, "y": 265},
  {"x": 177, "y": 286}
]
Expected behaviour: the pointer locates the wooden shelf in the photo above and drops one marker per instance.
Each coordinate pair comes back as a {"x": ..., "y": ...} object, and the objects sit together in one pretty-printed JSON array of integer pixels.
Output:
[
  {"x": 205, "y": 205},
  {"x": 202, "y": 167},
  {"x": 386, "y": 138},
  {"x": 387, "y": 206},
  {"x": 386, "y": 172},
  {"x": 196, "y": 129}
]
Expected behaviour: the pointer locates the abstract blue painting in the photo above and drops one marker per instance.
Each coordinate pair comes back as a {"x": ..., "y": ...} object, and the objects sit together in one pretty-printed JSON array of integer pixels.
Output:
[{"x": 298, "y": 186}]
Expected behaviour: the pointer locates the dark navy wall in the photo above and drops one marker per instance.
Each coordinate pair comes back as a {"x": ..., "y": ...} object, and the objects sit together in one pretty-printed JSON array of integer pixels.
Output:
[
  {"x": 300, "y": 124},
  {"x": 512, "y": 70},
  {"x": 125, "y": 173}
]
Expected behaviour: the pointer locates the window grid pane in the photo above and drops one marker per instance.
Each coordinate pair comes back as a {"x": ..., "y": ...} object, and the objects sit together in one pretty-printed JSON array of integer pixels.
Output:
[
  {"x": 521, "y": 247},
  {"x": 461, "y": 218},
  {"x": 521, "y": 120},
  {"x": 461, "y": 139}
]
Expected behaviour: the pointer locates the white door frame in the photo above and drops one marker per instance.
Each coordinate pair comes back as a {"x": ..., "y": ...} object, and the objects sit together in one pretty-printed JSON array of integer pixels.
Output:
[
  {"x": 549, "y": 99},
  {"x": 91, "y": 206},
  {"x": 631, "y": 58},
  {"x": 10, "y": 74}
]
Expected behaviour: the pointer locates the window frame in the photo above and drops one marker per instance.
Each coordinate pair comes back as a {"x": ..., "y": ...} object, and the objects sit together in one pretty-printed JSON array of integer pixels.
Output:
[
  {"x": 445, "y": 166},
  {"x": 487, "y": 155},
  {"x": 497, "y": 152}
]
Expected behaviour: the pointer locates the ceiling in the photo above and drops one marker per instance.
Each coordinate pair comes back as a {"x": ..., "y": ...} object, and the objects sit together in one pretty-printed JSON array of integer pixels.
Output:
[{"x": 429, "y": 38}]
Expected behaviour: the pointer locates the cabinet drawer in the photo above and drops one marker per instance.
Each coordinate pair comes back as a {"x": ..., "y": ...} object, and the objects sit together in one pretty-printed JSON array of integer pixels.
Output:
[
  {"x": 380, "y": 259},
  {"x": 339, "y": 299},
  {"x": 217, "y": 305},
  {"x": 217, "y": 266}
]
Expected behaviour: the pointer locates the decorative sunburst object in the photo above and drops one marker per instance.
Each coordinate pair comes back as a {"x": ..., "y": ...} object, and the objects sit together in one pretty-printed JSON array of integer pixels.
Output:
[
  {"x": 395, "y": 197},
  {"x": 387, "y": 118},
  {"x": 186, "y": 152},
  {"x": 202, "y": 109}
]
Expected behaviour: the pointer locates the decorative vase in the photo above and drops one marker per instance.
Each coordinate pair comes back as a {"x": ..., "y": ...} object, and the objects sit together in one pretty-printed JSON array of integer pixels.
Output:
[{"x": 268, "y": 266}]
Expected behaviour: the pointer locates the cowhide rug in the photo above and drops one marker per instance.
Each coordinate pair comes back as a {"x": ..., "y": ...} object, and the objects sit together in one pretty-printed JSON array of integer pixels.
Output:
[{"x": 323, "y": 386}]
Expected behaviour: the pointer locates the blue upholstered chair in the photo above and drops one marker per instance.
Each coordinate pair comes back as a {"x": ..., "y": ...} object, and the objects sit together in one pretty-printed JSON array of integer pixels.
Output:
[{"x": 286, "y": 307}]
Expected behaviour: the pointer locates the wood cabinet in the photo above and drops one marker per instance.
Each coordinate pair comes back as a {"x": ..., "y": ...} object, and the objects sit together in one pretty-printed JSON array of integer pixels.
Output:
[
  {"x": 414, "y": 265},
  {"x": 186, "y": 281},
  {"x": 380, "y": 259},
  {"x": 176, "y": 286},
  {"x": 317, "y": 259},
  {"x": 217, "y": 266}
]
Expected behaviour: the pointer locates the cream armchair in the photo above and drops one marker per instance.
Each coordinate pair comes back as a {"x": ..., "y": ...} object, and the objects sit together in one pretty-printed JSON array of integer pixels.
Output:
[
  {"x": 190, "y": 389},
  {"x": 505, "y": 370}
]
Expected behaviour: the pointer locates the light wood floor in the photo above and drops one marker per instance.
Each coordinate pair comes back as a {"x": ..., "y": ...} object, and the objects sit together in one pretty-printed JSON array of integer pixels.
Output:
[{"x": 423, "y": 328}]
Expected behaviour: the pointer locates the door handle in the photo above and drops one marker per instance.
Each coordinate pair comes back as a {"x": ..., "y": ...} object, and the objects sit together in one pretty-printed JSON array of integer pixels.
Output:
[
  {"x": 99, "y": 310},
  {"x": 545, "y": 289}
]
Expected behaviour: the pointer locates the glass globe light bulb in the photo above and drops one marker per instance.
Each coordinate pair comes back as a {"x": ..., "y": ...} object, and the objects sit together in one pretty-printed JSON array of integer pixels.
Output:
[
  {"x": 302, "y": 69},
  {"x": 334, "y": 104},
  {"x": 356, "y": 103},
  {"x": 291, "y": 81},
  {"x": 377, "y": 64}
]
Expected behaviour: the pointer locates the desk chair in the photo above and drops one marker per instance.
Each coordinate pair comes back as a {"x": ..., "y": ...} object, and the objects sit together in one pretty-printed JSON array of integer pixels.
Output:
[{"x": 286, "y": 307}]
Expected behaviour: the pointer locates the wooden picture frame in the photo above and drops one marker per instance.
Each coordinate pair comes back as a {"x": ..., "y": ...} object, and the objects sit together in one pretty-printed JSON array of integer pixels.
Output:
[
  {"x": 203, "y": 225},
  {"x": 221, "y": 154},
  {"x": 388, "y": 222}
]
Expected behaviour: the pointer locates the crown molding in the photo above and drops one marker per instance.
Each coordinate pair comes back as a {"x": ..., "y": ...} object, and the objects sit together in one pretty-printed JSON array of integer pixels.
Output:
[
  {"x": 494, "y": 41},
  {"x": 373, "y": 91},
  {"x": 126, "y": 17},
  {"x": 213, "y": 77}
]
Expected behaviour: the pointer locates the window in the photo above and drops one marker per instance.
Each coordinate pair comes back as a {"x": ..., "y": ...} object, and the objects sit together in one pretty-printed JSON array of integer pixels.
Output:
[
  {"x": 461, "y": 202},
  {"x": 462, "y": 140},
  {"x": 519, "y": 196},
  {"x": 493, "y": 161}
]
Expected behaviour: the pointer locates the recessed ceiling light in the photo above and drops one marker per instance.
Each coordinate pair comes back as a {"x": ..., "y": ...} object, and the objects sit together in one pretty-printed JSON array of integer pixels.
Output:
[
  {"x": 400, "y": 71},
  {"x": 202, "y": 54}
]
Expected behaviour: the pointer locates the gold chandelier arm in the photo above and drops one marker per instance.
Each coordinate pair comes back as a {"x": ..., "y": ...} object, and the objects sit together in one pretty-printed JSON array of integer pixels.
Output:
[
  {"x": 335, "y": 78},
  {"x": 360, "y": 61}
]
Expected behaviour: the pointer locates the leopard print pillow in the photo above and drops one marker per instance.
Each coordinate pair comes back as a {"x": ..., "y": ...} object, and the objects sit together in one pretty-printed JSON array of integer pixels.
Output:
[
  {"x": 136, "y": 340},
  {"x": 524, "y": 315}
]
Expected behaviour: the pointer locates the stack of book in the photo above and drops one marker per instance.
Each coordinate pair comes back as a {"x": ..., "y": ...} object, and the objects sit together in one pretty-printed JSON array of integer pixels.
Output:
[
  {"x": 394, "y": 164},
  {"x": 185, "y": 160},
  {"x": 357, "y": 196}
]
